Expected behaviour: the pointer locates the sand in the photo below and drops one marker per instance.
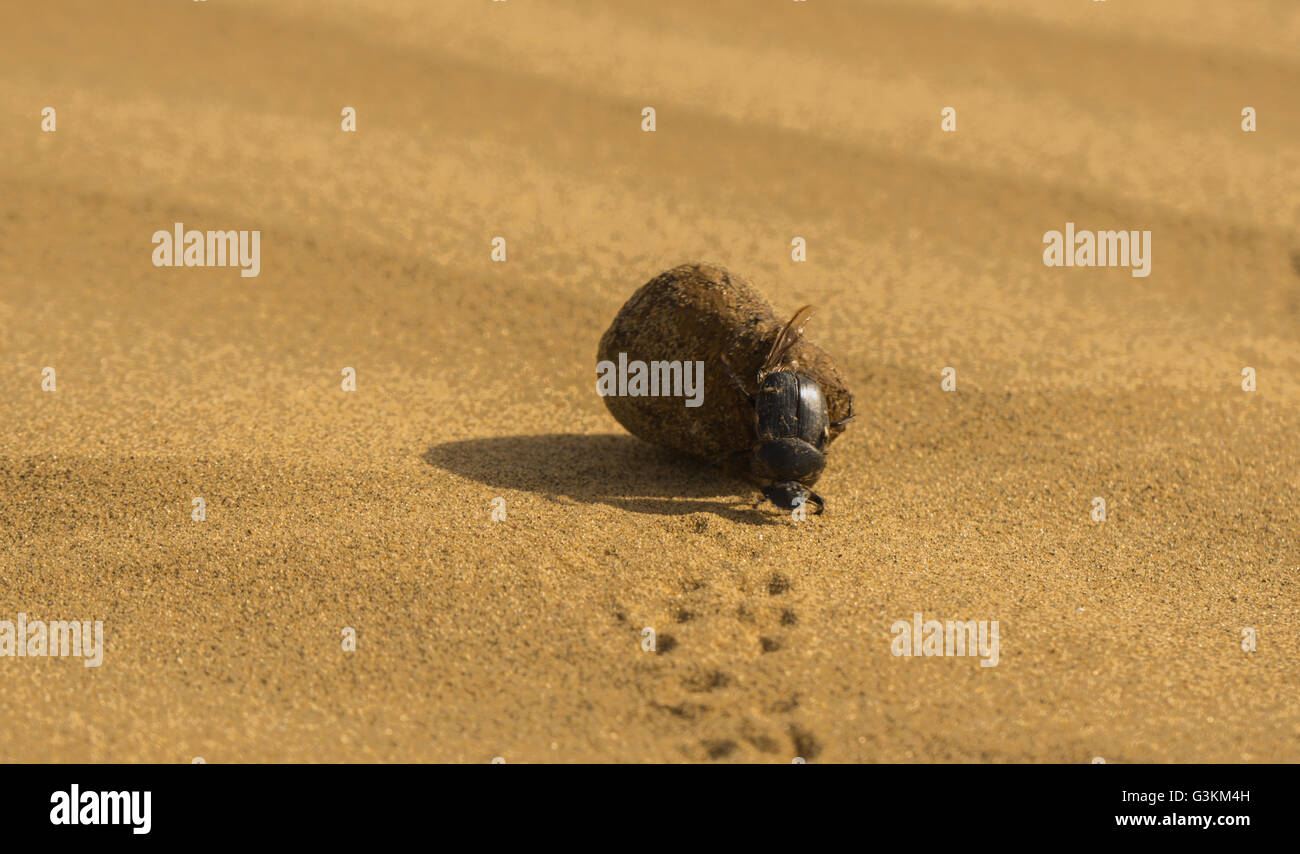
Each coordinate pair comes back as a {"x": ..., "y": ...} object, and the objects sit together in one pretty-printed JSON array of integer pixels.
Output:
[{"x": 522, "y": 638}]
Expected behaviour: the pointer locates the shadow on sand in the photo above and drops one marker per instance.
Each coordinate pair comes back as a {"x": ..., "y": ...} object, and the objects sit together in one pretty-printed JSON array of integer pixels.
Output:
[{"x": 616, "y": 470}]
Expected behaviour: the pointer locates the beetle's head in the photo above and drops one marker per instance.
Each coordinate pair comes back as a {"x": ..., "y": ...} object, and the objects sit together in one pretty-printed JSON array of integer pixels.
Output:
[{"x": 789, "y": 494}]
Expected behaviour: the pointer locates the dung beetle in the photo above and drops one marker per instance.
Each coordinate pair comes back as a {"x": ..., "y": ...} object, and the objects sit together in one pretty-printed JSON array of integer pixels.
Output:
[{"x": 791, "y": 426}]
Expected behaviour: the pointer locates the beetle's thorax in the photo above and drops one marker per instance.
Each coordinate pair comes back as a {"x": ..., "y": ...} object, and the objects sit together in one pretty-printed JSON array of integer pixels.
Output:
[{"x": 787, "y": 459}]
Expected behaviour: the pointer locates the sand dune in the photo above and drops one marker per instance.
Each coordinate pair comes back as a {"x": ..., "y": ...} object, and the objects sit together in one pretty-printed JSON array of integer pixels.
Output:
[{"x": 474, "y": 380}]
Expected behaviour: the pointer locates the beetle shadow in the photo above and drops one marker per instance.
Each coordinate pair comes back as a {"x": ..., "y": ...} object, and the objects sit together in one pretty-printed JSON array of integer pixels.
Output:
[{"x": 616, "y": 470}]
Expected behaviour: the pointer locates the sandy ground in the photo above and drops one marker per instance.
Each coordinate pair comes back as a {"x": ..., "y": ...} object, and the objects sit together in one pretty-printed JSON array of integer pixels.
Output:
[{"x": 522, "y": 638}]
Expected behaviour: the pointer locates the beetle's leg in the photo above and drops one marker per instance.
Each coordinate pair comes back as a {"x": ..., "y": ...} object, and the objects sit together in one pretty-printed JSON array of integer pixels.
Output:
[
  {"x": 835, "y": 425},
  {"x": 735, "y": 379},
  {"x": 738, "y": 465}
]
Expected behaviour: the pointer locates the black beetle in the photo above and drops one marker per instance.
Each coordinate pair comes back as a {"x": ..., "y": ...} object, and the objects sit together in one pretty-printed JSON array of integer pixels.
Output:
[{"x": 791, "y": 426}]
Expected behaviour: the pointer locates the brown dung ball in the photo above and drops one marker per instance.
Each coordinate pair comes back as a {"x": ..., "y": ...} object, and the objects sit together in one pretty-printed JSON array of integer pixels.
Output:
[{"x": 697, "y": 313}]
